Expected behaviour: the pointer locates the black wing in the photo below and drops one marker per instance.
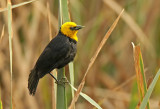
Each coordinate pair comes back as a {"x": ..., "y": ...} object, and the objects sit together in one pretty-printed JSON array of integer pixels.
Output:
[{"x": 53, "y": 55}]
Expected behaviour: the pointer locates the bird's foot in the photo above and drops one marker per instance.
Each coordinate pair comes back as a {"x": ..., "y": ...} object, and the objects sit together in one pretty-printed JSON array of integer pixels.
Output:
[{"x": 63, "y": 81}]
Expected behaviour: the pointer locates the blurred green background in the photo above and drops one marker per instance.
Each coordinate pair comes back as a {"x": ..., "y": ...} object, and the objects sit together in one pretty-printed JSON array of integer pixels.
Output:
[{"x": 111, "y": 82}]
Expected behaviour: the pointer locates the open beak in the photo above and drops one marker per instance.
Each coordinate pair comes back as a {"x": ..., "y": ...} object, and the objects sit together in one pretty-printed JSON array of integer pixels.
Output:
[{"x": 77, "y": 27}]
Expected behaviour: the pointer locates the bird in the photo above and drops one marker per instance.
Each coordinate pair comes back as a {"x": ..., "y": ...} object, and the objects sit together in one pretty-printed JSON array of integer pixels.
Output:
[{"x": 59, "y": 52}]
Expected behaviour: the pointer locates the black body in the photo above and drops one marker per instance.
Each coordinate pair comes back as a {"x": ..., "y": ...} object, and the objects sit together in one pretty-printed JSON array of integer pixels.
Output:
[{"x": 59, "y": 52}]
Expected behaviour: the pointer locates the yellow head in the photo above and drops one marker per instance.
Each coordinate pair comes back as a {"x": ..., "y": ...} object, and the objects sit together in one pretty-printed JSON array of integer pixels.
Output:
[{"x": 70, "y": 29}]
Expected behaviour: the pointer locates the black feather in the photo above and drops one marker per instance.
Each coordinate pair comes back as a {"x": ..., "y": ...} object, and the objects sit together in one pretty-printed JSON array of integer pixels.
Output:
[
  {"x": 59, "y": 52},
  {"x": 33, "y": 82}
]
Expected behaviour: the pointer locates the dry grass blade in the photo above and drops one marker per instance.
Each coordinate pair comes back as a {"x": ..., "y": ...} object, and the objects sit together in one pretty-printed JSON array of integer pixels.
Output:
[
  {"x": 71, "y": 73},
  {"x": 137, "y": 53},
  {"x": 54, "y": 88},
  {"x": 2, "y": 33},
  {"x": 18, "y": 5},
  {"x": 132, "y": 24},
  {"x": 49, "y": 22},
  {"x": 94, "y": 58},
  {"x": 10, "y": 40},
  {"x": 140, "y": 75}
]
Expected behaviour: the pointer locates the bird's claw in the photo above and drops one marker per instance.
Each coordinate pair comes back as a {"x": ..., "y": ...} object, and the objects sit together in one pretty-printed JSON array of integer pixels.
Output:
[{"x": 63, "y": 81}]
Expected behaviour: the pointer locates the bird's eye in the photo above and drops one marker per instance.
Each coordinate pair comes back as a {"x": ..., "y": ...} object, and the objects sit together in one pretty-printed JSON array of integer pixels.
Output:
[{"x": 72, "y": 28}]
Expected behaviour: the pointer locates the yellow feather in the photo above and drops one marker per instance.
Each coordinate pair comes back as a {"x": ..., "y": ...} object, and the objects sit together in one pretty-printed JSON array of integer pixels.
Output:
[{"x": 65, "y": 29}]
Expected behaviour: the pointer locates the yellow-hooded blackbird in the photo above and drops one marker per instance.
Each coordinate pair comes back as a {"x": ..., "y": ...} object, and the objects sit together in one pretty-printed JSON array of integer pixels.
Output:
[{"x": 60, "y": 51}]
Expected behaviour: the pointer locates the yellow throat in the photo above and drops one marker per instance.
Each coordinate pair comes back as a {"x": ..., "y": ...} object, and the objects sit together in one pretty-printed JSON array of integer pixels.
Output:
[{"x": 66, "y": 30}]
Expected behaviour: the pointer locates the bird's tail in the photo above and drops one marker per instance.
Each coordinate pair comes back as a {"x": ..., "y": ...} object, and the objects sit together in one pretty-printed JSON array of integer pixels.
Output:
[{"x": 33, "y": 82}]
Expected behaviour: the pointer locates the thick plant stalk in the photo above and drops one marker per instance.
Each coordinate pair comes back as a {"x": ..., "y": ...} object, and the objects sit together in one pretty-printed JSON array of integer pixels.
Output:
[{"x": 61, "y": 93}]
